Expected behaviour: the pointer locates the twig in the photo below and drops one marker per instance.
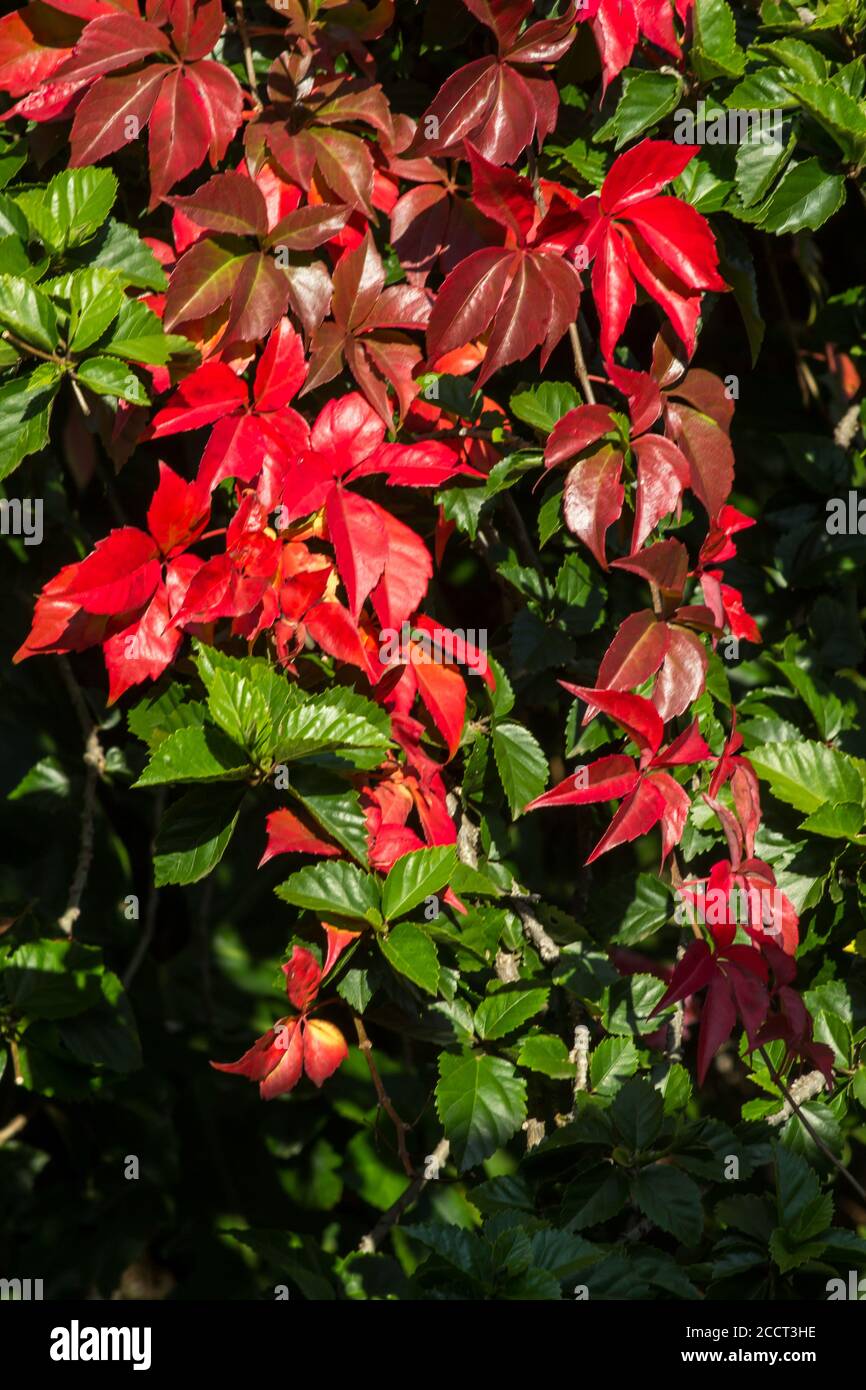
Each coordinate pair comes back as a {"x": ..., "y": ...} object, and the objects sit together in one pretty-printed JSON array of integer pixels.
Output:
[
  {"x": 244, "y": 36},
  {"x": 803, "y": 1089},
  {"x": 580, "y": 365},
  {"x": 524, "y": 542},
  {"x": 15, "y": 1126},
  {"x": 94, "y": 760},
  {"x": 533, "y": 929},
  {"x": 810, "y": 1129},
  {"x": 579, "y": 1055},
  {"x": 384, "y": 1099},
  {"x": 433, "y": 1165}
]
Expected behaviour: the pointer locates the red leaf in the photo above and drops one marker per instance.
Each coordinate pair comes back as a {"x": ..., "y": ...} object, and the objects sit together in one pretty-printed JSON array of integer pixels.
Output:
[
  {"x": 642, "y": 810},
  {"x": 34, "y": 42},
  {"x": 406, "y": 574},
  {"x": 180, "y": 134},
  {"x": 143, "y": 650},
  {"x": 606, "y": 779},
  {"x": 102, "y": 118},
  {"x": 676, "y": 811},
  {"x": 360, "y": 543},
  {"x": 443, "y": 691},
  {"x": 259, "y": 298},
  {"x": 664, "y": 564},
  {"x": 281, "y": 370},
  {"x": 303, "y": 977},
  {"x": 683, "y": 673},
  {"x": 209, "y": 393},
  {"x": 502, "y": 195},
  {"x": 577, "y": 429},
  {"x": 324, "y": 1049},
  {"x": 635, "y": 654},
  {"x": 692, "y": 973},
  {"x": 612, "y": 289},
  {"x": 221, "y": 101},
  {"x": 111, "y": 42},
  {"x": 688, "y": 747},
  {"x": 468, "y": 300},
  {"x": 332, "y": 627},
  {"x": 710, "y": 457},
  {"x": 632, "y": 712},
  {"x": 228, "y": 203},
  {"x": 202, "y": 280},
  {"x": 592, "y": 499},
  {"x": 178, "y": 512},
  {"x": 120, "y": 574},
  {"x": 662, "y": 475},
  {"x": 752, "y": 1000},
  {"x": 718, "y": 1017},
  {"x": 641, "y": 172}
]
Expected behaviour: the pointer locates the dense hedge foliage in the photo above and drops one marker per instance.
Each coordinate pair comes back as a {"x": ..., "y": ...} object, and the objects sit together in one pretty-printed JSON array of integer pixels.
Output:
[{"x": 430, "y": 439}]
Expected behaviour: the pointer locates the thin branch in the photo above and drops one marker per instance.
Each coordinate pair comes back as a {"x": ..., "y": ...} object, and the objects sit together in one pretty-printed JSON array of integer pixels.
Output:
[
  {"x": 244, "y": 36},
  {"x": 15, "y": 1126},
  {"x": 580, "y": 365},
  {"x": 810, "y": 1129},
  {"x": 433, "y": 1165},
  {"x": 94, "y": 760},
  {"x": 384, "y": 1099}
]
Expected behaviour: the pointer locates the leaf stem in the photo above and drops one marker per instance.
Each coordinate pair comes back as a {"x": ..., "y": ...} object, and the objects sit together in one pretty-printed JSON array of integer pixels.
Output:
[
  {"x": 810, "y": 1129},
  {"x": 244, "y": 36},
  {"x": 384, "y": 1099}
]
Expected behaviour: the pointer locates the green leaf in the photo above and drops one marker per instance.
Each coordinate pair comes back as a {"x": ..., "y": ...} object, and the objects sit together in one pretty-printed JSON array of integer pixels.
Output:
[
  {"x": 506, "y": 1009},
  {"x": 481, "y": 1102},
  {"x": 840, "y": 822},
  {"x": 157, "y": 716},
  {"x": 76, "y": 203},
  {"x": 334, "y": 806},
  {"x": 594, "y": 1197},
  {"x": 415, "y": 877},
  {"x": 612, "y": 1062},
  {"x": 804, "y": 198},
  {"x": 521, "y": 764},
  {"x": 117, "y": 247},
  {"x": 139, "y": 336},
  {"x": 195, "y": 754},
  {"x": 28, "y": 312},
  {"x": 52, "y": 979},
  {"x": 194, "y": 834},
  {"x": 25, "y": 415},
  {"x": 839, "y": 114},
  {"x": 411, "y": 952},
  {"x": 671, "y": 1200},
  {"x": 637, "y": 1112},
  {"x": 637, "y": 909},
  {"x": 543, "y": 405},
  {"x": 334, "y": 888},
  {"x": 808, "y": 775},
  {"x": 715, "y": 52},
  {"x": 548, "y": 1054},
  {"x": 95, "y": 298},
  {"x": 648, "y": 97},
  {"x": 759, "y": 163},
  {"x": 108, "y": 377}
]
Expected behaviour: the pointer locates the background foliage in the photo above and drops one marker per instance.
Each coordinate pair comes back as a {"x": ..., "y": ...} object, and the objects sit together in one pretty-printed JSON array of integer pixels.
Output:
[{"x": 139, "y": 939}]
